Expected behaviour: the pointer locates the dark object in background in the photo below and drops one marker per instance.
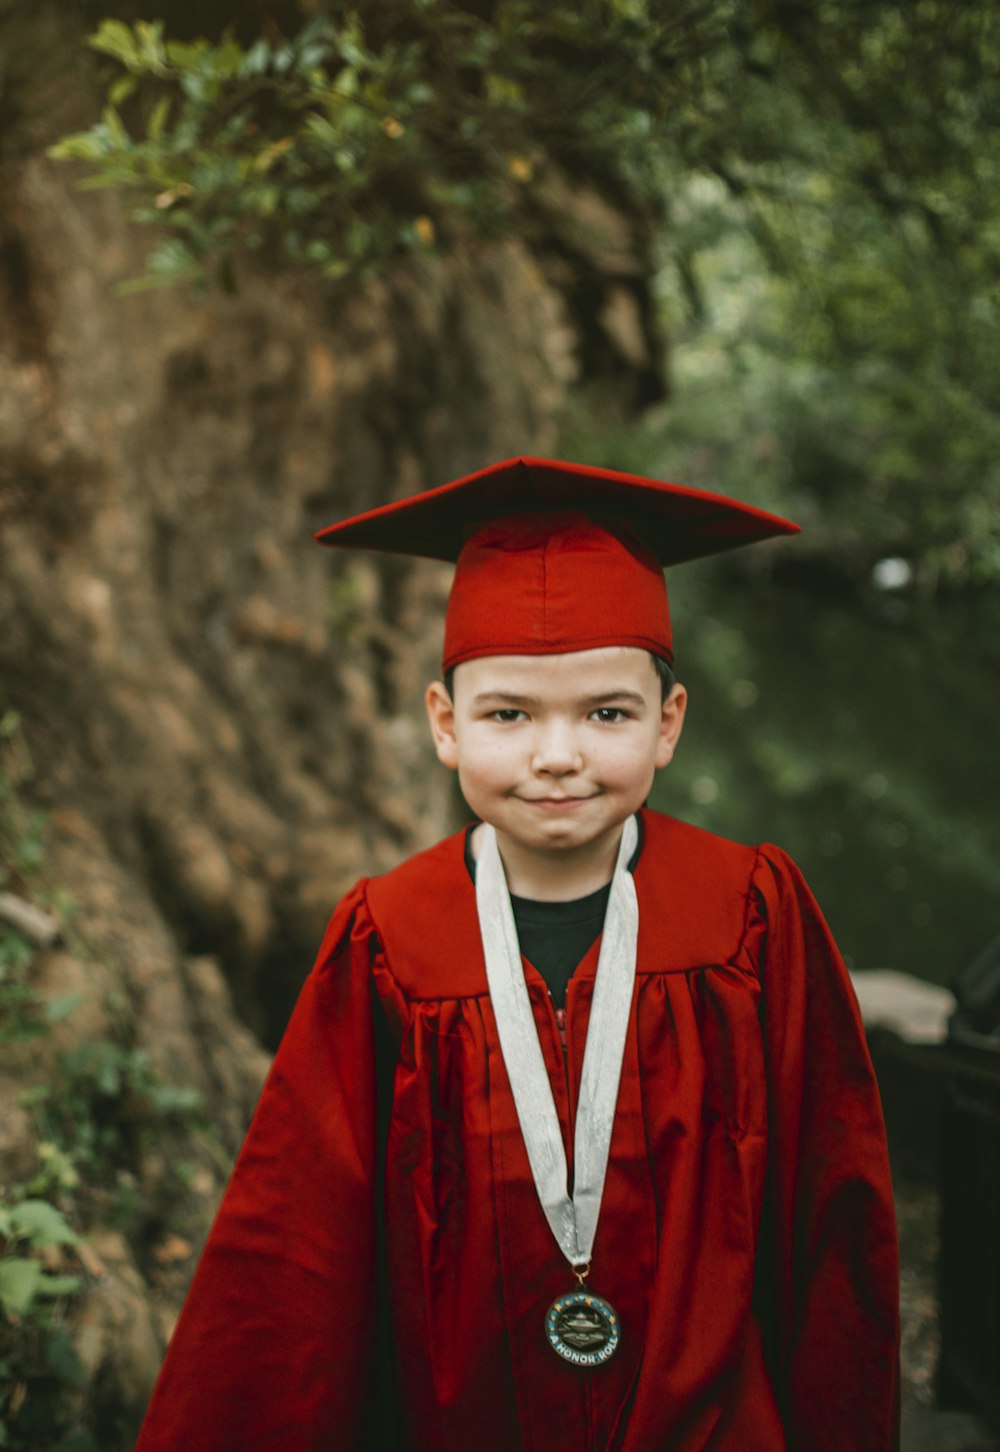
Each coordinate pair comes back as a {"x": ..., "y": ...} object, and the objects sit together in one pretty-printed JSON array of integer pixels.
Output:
[
  {"x": 976, "y": 1021},
  {"x": 969, "y": 1367}
]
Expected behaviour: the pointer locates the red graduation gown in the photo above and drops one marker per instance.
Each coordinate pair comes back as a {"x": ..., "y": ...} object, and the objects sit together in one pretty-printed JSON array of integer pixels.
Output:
[{"x": 747, "y": 1236}]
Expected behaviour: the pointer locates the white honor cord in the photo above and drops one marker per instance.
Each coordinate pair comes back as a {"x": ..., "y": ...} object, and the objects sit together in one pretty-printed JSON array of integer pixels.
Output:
[{"x": 573, "y": 1218}]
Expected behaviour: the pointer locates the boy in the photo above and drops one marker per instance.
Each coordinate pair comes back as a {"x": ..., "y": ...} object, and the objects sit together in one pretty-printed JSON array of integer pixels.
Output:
[{"x": 628, "y": 1190}]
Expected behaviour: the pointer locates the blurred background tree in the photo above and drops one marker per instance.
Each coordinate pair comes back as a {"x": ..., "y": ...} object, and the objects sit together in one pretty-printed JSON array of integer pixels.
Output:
[{"x": 816, "y": 192}]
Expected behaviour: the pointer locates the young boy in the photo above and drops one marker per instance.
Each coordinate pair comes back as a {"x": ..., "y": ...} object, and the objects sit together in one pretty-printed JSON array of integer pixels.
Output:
[{"x": 573, "y": 1140}]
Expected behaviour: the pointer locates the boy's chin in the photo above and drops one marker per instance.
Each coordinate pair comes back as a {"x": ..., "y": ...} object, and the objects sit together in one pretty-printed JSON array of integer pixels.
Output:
[{"x": 560, "y": 830}]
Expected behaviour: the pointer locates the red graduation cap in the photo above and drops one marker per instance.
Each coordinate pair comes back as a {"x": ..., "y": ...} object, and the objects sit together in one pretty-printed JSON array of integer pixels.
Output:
[{"x": 555, "y": 557}]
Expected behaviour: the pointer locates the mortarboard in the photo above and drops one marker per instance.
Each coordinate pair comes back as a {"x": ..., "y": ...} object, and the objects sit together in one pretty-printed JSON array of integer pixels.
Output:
[{"x": 556, "y": 557}]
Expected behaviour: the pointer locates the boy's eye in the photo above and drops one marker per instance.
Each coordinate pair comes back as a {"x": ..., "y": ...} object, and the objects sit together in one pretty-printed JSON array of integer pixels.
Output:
[
  {"x": 508, "y": 713},
  {"x": 610, "y": 714}
]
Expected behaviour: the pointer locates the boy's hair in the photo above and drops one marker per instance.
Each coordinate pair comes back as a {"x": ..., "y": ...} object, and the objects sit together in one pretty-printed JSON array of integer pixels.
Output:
[{"x": 663, "y": 669}]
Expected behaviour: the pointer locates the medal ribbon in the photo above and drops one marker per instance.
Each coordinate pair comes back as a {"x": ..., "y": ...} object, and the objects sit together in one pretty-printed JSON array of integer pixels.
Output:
[{"x": 573, "y": 1218}]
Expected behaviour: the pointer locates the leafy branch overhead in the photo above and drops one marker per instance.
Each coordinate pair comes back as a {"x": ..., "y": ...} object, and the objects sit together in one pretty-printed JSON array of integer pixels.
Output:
[
  {"x": 388, "y": 126},
  {"x": 369, "y": 131},
  {"x": 814, "y": 187}
]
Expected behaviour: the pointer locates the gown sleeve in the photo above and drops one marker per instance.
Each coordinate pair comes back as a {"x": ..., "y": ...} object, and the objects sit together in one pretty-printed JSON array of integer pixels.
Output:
[
  {"x": 829, "y": 1233},
  {"x": 274, "y": 1345}
]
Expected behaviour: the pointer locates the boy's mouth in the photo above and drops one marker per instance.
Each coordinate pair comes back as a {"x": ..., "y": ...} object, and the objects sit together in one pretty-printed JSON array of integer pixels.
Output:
[{"x": 554, "y": 802}]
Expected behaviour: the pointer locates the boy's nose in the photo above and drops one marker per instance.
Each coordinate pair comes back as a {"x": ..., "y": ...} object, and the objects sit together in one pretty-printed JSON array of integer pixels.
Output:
[{"x": 557, "y": 750}]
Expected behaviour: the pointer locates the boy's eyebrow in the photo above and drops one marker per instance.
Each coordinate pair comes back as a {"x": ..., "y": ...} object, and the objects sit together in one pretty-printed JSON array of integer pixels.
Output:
[
  {"x": 507, "y": 696},
  {"x": 634, "y": 698}
]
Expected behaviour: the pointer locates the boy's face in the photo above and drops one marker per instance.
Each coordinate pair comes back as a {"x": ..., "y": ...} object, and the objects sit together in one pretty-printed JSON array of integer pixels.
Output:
[{"x": 556, "y": 751}]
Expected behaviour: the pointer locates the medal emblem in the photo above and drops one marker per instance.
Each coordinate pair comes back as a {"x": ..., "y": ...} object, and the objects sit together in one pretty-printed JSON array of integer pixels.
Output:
[{"x": 583, "y": 1328}]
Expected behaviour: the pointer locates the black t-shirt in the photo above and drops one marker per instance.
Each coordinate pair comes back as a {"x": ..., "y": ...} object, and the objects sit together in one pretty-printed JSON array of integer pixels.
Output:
[{"x": 555, "y": 936}]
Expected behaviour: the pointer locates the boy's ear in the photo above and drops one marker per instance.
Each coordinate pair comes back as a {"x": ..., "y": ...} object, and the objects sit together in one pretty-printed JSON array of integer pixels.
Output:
[
  {"x": 671, "y": 724},
  {"x": 441, "y": 715}
]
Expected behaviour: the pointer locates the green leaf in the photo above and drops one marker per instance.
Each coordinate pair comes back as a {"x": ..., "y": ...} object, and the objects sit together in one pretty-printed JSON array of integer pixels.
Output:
[
  {"x": 150, "y": 38},
  {"x": 122, "y": 89},
  {"x": 158, "y": 118},
  {"x": 62, "y": 1359},
  {"x": 19, "y": 1280},
  {"x": 81, "y": 146},
  {"x": 115, "y": 128},
  {"x": 265, "y": 159},
  {"x": 347, "y": 82},
  {"x": 61, "y": 1008},
  {"x": 352, "y": 44},
  {"x": 59, "y": 1285},
  {"x": 42, "y": 1223},
  {"x": 15, "y": 954},
  {"x": 176, "y": 1099},
  {"x": 194, "y": 87},
  {"x": 114, "y": 38},
  {"x": 257, "y": 59},
  {"x": 171, "y": 262}
]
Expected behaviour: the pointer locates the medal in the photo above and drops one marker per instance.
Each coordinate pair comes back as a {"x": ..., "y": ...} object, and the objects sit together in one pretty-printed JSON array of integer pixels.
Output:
[{"x": 580, "y": 1326}]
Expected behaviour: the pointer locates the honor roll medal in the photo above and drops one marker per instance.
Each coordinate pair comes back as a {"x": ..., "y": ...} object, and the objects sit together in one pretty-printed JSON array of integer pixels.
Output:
[{"x": 582, "y": 1327}]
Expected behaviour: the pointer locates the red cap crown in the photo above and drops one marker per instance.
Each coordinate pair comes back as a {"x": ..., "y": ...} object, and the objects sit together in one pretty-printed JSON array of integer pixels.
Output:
[{"x": 541, "y": 584}]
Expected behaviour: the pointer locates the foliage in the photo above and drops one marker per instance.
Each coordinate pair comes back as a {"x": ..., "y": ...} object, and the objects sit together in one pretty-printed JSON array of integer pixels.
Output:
[
  {"x": 21, "y": 828},
  {"x": 106, "y": 1107},
  {"x": 38, "y": 1361},
  {"x": 22, "y": 832},
  {"x": 98, "y": 1110},
  {"x": 821, "y": 184},
  {"x": 374, "y": 128},
  {"x": 19, "y": 1019}
]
